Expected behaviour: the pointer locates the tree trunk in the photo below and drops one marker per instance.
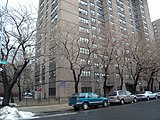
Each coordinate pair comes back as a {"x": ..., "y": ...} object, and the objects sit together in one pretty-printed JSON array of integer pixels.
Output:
[
  {"x": 76, "y": 87},
  {"x": 135, "y": 85},
  {"x": 19, "y": 88},
  {"x": 148, "y": 84},
  {"x": 12, "y": 98},
  {"x": 105, "y": 82},
  {"x": 6, "y": 97},
  {"x": 104, "y": 87},
  {"x": 7, "y": 90},
  {"x": 75, "y": 81},
  {"x": 121, "y": 85},
  {"x": 152, "y": 85}
]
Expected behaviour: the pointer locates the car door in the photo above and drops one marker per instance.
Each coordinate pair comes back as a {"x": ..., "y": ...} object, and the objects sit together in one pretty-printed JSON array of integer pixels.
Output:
[
  {"x": 151, "y": 94},
  {"x": 129, "y": 96},
  {"x": 90, "y": 98},
  {"x": 122, "y": 94},
  {"x": 97, "y": 99}
]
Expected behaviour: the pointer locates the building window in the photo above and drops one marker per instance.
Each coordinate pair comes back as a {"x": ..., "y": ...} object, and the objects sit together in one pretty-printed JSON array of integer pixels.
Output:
[
  {"x": 95, "y": 55},
  {"x": 83, "y": 40},
  {"x": 82, "y": 11},
  {"x": 83, "y": 20},
  {"x": 92, "y": 12},
  {"x": 86, "y": 73},
  {"x": 93, "y": 20},
  {"x": 52, "y": 91},
  {"x": 93, "y": 28},
  {"x": 83, "y": 3},
  {"x": 84, "y": 50},
  {"x": 96, "y": 64},
  {"x": 86, "y": 89},
  {"x": 99, "y": 2},
  {"x": 96, "y": 75},
  {"x": 82, "y": 29},
  {"x": 52, "y": 73},
  {"x": 91, "y": 4},
  {"x": 82, "y": 61}
]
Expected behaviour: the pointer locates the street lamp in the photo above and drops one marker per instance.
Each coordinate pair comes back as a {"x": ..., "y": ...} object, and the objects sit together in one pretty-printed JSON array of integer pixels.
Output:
[
  {"x": 98, "y": 86},
  {"x": 39, "y": 90}
]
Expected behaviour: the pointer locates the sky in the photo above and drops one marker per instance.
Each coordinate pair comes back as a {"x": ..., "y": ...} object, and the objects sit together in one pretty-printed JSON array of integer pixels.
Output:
[
  {"x": 154, "y": 6},
  {"x": 154, "y": 9}
]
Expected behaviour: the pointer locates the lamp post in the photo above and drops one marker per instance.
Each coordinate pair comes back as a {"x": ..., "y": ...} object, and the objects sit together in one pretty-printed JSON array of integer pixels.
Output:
[
  {"x": 98, "y": 86},
  {"x": 39, "y": 90}
]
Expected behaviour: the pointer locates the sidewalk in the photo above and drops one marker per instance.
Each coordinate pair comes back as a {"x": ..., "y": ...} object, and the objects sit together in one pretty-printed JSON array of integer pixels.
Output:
[{"x": 45, "y": 108}]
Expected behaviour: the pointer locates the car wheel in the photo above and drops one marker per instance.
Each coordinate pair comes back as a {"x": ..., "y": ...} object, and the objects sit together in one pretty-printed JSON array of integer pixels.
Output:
[
  {"x": 156, "y": 97},
  {"x": 134, "y": 100},
  {"x": 122, "y": 102},
  {"x": 85, "y": 106},
  {"x": 76, "y": 108},
  {"x": 147, "y": 98},
  {"x": 105, "y": 103}
]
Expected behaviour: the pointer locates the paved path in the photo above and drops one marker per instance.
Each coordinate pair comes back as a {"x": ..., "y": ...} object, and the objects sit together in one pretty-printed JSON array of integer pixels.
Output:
[{"x": 46, "y": 108}]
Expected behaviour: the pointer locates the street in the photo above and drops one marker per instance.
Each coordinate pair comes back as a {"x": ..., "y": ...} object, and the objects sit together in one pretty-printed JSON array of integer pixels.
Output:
[{"x": 143, "y": 110}]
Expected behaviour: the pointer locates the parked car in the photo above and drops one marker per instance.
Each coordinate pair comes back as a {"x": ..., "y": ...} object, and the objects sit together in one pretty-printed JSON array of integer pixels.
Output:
[
  {"x": 158, "y": 94},
  {"x": 27, "y": 95},
  {"x": 122, "y": 96},
  {"x": 146, "y": 95},
  {"x": 85, "y": 100},
  {"x": 1, "y": 98}
]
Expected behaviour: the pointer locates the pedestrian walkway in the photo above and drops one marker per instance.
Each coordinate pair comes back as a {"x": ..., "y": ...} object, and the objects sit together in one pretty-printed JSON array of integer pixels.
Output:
[{"x": 45, "y": 108}]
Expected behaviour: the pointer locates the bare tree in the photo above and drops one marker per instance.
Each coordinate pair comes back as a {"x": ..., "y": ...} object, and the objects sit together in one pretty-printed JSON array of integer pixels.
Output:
[
  {"x": 120, "y": 67},
  {"x": 75, "y": 51},
  {"x": 138, "y": 59},
  {"x": 153, "y": 66},
  {"x": 19, "y": 28},
  {"x": 107, "y": 49}
]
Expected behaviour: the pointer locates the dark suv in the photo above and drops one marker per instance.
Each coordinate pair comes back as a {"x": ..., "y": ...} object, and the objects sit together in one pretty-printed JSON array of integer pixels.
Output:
[{"x": 85, "y": 100}]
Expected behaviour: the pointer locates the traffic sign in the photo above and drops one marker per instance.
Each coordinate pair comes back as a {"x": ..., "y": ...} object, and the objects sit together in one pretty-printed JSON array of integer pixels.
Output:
[{"x": 3, "y": 62}]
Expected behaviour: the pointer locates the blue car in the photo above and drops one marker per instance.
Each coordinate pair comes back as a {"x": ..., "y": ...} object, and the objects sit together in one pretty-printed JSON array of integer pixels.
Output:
[{"x": 85, "y": 100}]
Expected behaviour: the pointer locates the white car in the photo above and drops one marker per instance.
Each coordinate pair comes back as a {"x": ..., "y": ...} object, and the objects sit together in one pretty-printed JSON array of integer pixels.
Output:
[
  {"x": 147, "y": 95},
  {"x": 158, "y": 94}
]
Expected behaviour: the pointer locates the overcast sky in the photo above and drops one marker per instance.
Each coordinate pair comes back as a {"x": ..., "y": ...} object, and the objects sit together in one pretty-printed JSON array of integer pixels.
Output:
[{"x": 154, "y": 6}]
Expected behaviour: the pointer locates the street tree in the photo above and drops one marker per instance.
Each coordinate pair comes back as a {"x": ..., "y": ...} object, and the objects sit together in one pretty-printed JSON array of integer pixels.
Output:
[
  {"x": 138, "y": 58},
  {"x": 18, "y": 30},
  {"x": 76, "y": 50},
  {"x": 107, "y": 49},
  {"x": 153, "y": 65}
]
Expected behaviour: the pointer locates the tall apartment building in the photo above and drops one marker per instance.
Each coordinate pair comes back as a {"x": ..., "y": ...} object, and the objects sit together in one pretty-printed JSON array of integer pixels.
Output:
[
  {"x": 91, "y": 16},
  {"x": 156, "y": 29}
]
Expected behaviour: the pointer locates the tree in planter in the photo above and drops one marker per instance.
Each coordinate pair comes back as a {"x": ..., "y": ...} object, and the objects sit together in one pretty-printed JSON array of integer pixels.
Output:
[{"x": 19, "y": 27}]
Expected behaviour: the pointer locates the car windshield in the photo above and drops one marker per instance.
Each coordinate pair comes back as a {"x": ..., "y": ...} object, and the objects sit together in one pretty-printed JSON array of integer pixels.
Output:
[
  {"x": 112, "y": 94},
  {"x": 75, "y": 95},
  {"x": 142, "y": 92}
]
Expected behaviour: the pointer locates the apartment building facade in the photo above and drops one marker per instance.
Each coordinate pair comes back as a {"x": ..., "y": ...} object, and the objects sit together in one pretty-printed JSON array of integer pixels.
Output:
[
  {"x": 91, "y": 17},
  {"x": 156, "y": 29}
]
